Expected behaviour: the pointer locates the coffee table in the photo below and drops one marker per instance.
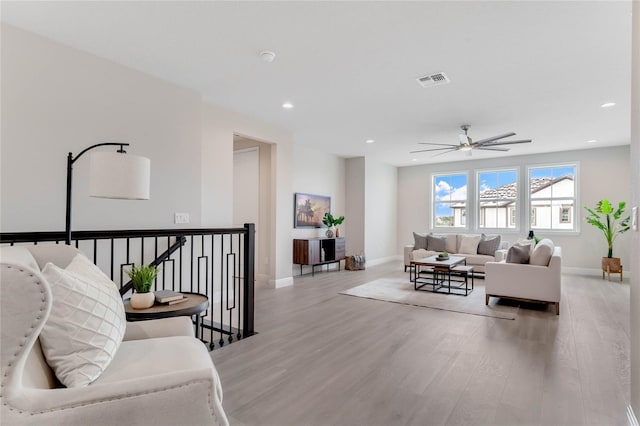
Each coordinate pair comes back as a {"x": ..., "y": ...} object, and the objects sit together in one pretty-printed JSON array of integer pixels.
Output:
[{"x": 438, "y": 274}]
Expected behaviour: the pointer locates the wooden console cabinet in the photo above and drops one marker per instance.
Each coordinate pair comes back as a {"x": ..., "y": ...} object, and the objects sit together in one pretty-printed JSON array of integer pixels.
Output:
[{"x": 318, "y": 251}]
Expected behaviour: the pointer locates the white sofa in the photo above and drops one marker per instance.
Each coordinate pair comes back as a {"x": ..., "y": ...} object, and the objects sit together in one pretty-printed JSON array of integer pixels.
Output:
[
  {"x": 478, "y": 261},
  {"x": 160, "y": 375},
  {"x": 524, "y": 281}
]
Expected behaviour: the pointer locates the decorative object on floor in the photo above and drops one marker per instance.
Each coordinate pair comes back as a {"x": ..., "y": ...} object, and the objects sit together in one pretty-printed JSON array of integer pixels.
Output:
[
  {"x": 399, "y": 290},
  {"x": 467, "y": 144},
  {"x": 142, "y": 278},
  {"x": 611, "y": 226},
  {"x": 113, "y": 175},
  {"x": 355, "y": 263},
  {"x": 309, "y": 210},
  {"x": 331, "y": 222}
]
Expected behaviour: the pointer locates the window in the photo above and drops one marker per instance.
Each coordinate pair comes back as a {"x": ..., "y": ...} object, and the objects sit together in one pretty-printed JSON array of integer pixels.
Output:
[
  {"x": 449, "y": 201},
  {"x": 498, "y": 199},
  {"x": 552, "y": 192}
]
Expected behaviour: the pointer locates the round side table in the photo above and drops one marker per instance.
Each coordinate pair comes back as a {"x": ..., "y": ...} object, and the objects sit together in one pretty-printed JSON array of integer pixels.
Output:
[{"x": 195, "y": 305}]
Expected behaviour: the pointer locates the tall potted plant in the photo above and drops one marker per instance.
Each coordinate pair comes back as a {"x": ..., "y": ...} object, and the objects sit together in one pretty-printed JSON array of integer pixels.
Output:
[
  {"x": 142, "y": 278},
  {"x": 611, "y": 226}
]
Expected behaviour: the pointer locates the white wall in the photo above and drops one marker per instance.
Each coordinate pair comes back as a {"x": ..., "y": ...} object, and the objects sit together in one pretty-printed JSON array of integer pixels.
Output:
[
  {"x": 604, "y": 173},
  {"x": 381, "y": 189},
  {"x": 355, "y": 208},
  {"x": 635, "y": 201},
  {"x": 55, "y": 100},
  {"x": 318, "y": 173}
]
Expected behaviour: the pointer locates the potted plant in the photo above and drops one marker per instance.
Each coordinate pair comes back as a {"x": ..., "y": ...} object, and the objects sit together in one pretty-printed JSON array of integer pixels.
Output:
[
  {"x": 330, "y": 222},
  {"x": 142, "y": 278},
  {"x": 611, "y": 226}
]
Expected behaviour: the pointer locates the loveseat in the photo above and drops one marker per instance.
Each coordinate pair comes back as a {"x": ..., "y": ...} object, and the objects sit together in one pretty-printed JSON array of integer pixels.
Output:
[
  {"x": 477, "y": 249},
  {"x": 540, "y": 281},
  {"x": 160, "y": 374}
]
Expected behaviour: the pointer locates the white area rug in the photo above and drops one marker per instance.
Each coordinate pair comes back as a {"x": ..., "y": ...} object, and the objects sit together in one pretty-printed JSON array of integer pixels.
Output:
[{"x": 400, "y": 290}]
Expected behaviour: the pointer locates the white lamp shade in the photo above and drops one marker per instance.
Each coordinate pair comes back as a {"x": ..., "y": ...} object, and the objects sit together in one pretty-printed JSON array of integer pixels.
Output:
[{"x": 119, "y": 175}]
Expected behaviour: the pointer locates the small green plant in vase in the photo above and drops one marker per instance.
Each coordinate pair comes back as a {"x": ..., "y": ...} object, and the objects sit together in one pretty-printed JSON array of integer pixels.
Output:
[
  {"x": 331, "y": 222},
  {"x": 142, "y": 278}
]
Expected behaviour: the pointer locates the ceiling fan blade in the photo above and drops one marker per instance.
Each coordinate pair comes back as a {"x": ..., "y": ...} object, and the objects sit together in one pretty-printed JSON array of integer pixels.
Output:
[
  {"x": 484, "y": 148},
  {"x": 446, "y": 152},
  {"x": 432, "y": 149},
  {"x": 443, "y": 144},
  {"x": 507, "y": 142},
  {"x": 495, "y": 138}
]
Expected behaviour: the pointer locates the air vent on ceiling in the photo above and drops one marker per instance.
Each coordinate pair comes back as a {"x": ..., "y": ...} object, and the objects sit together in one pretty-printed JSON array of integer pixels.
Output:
[{"x": 433, "y": 79}]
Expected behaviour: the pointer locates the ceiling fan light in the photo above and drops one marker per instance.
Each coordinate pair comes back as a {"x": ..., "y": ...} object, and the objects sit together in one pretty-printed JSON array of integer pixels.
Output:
[{"x": 466, "y": 148}]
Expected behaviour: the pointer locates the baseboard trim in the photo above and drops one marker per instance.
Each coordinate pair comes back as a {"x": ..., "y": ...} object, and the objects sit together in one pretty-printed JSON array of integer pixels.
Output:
[
  {"x": 281, "y": 283},
  {"x": 631, "y": 416},
  {"x": 590, "y": 271},
  {"x": 381, "y": 260}
]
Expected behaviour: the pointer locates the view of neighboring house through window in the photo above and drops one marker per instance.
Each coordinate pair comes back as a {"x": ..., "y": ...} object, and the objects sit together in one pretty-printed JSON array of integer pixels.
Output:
[
  {"x": 449, "y": 201},
  {"x": 552, "y": 192},
  {"x": 497, "y": 199}
]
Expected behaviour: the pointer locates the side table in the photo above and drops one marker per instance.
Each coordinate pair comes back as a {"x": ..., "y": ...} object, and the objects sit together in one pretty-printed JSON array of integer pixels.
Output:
[{"x": 195, "y": 305}]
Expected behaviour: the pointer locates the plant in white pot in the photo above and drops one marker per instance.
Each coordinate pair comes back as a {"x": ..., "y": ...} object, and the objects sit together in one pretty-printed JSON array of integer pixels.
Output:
[
  {"x": 611, "y": 226},
  {"x": 142, "y": 278}
]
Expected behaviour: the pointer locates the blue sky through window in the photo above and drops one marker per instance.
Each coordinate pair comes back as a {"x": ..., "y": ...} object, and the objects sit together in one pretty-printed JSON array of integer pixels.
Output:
[{"x": 449, "y": 188}]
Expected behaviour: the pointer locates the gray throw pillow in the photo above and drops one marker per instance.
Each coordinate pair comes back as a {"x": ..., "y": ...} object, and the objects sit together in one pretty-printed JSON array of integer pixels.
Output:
[
  {"x": 488, "y": 245},
  {"x": 518, "y": 254},
  {"x": 436, "y": 243},
  {"x": 420, "y": 241}
]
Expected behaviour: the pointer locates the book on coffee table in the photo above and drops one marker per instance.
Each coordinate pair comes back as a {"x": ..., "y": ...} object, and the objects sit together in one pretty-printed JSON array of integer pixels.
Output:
[{"x": 166, "y": 296}]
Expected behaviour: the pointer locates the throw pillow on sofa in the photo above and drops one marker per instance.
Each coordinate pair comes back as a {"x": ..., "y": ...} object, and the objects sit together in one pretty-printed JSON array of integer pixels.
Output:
[
  {"x": 435, "y": 243},
  {"x": 518, "y": 254},
  {"x": 469, "y": 244},
  {"x": 489, "y": 244},
  {"x": 419, "y": 241},
  {"x": 542, "y": 252}
]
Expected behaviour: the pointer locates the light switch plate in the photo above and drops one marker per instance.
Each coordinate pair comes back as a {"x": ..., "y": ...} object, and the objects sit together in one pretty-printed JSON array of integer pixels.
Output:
[
  {"x": 181, "y": 218},
  {"x": 634, "y": 218}
]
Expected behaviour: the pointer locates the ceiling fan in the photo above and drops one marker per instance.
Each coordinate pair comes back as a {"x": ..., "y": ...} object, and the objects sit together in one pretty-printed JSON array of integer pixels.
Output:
[{"x": 467, "y": 144}]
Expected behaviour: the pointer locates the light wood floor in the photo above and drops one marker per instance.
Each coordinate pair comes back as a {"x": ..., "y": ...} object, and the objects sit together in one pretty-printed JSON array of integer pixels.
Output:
[{"x": 327, "y": 359}]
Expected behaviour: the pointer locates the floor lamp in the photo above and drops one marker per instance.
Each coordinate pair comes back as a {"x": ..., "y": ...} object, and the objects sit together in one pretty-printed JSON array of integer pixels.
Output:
[{"x": 112, "y": 175}]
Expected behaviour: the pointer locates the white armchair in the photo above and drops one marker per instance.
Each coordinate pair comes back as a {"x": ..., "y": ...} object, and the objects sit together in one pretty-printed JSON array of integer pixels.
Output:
[
  {"x": 524, "y": 281},
  {"x": 160, "y": 375}
]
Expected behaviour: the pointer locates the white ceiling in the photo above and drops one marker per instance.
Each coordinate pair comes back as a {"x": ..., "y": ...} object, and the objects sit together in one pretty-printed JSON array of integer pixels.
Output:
[{"x": 540, "y": 69}]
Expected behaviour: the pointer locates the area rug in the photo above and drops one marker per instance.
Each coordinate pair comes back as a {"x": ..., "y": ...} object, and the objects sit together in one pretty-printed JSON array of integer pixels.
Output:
[{"x": 400, "y": 290}]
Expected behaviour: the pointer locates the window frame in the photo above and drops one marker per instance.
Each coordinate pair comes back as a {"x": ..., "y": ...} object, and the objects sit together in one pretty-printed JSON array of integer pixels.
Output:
[
  {"x": 574, "y": 219},
  {"x": 518, "y": 201},
  {"x": 434, "y": 203}
]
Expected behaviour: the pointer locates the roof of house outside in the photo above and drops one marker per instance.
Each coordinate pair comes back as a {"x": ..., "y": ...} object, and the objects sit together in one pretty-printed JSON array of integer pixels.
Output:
[{"x": 508, "y": 192}]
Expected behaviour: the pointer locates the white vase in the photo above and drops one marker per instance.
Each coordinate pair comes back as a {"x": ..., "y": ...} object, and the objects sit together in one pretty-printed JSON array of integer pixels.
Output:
[{"x": 142, "y": 300}]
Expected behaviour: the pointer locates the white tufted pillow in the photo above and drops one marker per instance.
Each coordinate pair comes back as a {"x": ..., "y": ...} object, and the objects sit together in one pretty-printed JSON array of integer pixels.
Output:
[{"x": 86, "y": 324}]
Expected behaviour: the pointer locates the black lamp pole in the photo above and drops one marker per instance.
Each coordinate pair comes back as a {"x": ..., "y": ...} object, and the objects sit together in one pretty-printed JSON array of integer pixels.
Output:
[{"x": 70, "y": 160}]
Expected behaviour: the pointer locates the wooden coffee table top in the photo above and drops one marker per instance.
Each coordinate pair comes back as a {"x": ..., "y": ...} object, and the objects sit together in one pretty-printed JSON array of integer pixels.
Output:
[
  {"x": 195, "y": 304},
  {"x": 433, "y": 261}
]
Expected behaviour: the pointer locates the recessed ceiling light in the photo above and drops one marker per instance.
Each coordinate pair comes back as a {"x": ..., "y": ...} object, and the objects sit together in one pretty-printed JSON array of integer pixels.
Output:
[
  {"x": 287, "y": 105},
  {"x": 608, "y": 104},
  {"x": 414, "y": 159},
  {"x": 592, "y": 141},
  {"x": 267, "y": 56},
  {"x": 369, "y": 141}
]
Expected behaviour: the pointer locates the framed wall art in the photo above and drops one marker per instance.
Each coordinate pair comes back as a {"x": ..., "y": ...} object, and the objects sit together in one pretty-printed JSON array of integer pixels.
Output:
[{"x": 309, "y": 210}]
